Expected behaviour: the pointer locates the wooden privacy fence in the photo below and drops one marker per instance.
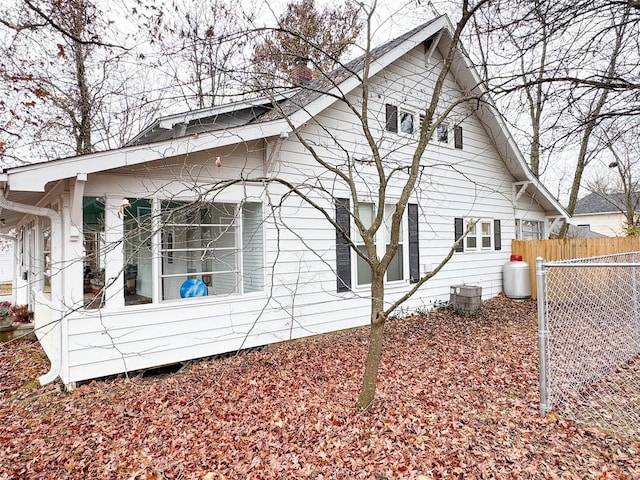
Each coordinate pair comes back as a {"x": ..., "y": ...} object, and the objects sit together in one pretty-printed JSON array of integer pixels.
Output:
[{"x": 565, "y": 249}]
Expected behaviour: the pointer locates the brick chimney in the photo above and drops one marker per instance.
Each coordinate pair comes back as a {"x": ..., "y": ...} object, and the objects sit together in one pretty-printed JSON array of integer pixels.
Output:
[{"x": 300, "y": 73}]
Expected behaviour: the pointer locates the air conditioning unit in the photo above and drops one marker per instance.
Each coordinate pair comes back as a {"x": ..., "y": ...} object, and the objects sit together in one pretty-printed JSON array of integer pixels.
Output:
[{"x": 466, "y": 299}]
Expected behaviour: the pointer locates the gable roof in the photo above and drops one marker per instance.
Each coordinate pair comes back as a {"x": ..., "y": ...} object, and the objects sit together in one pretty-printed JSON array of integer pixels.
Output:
[
  {"x": 256, "y": 119},
  {"x": 574, "y": 231},
  {"x": 604, "y": 203}
]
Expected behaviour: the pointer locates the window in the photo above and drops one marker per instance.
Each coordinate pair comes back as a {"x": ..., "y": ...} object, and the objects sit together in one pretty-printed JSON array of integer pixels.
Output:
[
  {"x": 406, "y": 122},
  {"x": 95, "y": 250},
  {"x": 398, "y": 120},
  {"x": 529, "y": 230},
  {"x": 396, "y": 270},
  {"x": 443, "y": 133},
  {"x": 485, "y": 232},
  {"x": 482, "y": 234},
  {"x": 46, "y": 258},
  {"x": 137, "y": 262},
  {"x": 219, "y": 244},
  {"x": 363, "y": 270}
]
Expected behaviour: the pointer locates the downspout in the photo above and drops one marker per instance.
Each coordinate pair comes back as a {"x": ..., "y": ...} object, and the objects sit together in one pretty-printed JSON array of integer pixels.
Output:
[{"x": 56, "y": 280}]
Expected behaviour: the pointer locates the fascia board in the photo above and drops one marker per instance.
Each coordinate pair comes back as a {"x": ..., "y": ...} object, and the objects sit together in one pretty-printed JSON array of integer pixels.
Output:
[{"x": 35, "y": 177}]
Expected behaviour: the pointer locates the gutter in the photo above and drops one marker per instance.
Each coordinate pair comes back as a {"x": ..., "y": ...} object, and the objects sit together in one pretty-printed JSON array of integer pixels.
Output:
[{"x": 56, "y": 280}]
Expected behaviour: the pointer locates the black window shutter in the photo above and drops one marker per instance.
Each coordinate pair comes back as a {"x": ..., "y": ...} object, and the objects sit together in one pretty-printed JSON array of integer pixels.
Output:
[
  {"x": 457, "y": 136},
  {"x": 414, "y": 244},
  {"x": 458, "y": 232},
  {"x": 497, "y": 235},
  {"x": 343, "y": 249},
  {"x": 392, "y": 117}
]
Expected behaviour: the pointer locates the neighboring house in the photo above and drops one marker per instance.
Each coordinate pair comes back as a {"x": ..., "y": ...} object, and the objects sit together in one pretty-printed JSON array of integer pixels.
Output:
[
  {"x": 601, "y": 213},
  {"x": 111, "y": 242}
]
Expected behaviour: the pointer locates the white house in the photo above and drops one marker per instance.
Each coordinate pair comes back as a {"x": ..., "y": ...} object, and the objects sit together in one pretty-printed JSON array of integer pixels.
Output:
[
  {"x": 193, "y": 240},
  {"x": 603, "y": 213}
]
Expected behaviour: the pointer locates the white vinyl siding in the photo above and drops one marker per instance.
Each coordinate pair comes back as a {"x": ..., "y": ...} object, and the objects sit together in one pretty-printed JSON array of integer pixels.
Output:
[{"x": 252, "y": 248}]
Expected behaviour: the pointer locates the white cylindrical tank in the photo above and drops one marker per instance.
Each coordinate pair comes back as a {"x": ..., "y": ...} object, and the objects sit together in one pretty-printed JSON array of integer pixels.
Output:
[{"x": 516, "y": 282}]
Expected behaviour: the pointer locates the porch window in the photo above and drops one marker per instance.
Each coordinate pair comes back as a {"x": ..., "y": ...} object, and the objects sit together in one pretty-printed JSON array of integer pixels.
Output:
[
  {"x": 137, "y": 264},
  {"x": 93, "y": 209},
  {"x": 211, "y": 244}
]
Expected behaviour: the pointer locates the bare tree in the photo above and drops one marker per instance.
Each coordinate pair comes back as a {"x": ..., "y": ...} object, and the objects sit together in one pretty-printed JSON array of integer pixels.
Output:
[
  {"x": 62, "y": 66},
  {"x": 390, "y": 183},
  {"x": 202, "y": 49},
  {"x": 622, "y": 192},
  {"x": 306, "y": 33},
  {"x": 575, "y": 71}
]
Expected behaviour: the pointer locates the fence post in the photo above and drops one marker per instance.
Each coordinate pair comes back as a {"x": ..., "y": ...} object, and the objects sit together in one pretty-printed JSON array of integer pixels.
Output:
[
  {"x": 543, "y": 334},
  {"x": 636, "y": 313}
]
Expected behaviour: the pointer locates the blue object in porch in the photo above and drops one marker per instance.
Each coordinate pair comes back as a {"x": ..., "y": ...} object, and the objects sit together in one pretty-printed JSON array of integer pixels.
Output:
[{"x": 192, "y": 287}]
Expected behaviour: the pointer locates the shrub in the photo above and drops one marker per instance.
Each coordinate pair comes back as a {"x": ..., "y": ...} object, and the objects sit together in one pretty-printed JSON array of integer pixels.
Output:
[{"x": 22, "y": 313}]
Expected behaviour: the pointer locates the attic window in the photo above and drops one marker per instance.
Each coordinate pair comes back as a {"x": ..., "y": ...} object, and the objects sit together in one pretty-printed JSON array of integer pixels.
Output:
[
  {"x": 398, "y": 120},
  {"x": 443, "y": 133},
  {"x": 406, "y": 122}
]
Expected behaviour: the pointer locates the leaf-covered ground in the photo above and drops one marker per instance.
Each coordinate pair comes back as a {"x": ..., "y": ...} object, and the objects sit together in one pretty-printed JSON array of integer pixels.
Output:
[{"x": 458, "y": 398}]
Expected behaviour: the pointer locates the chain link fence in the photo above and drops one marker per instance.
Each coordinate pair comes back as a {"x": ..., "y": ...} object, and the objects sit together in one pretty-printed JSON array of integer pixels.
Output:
[{"x": 589, "y": 339}]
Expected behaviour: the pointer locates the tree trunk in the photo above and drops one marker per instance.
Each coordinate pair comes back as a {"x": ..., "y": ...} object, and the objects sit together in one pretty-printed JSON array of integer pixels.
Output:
[{"x": 376, "y": 335}]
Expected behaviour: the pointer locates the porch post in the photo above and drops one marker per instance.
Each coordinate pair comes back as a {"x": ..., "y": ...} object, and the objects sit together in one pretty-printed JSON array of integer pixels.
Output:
[
  {"x": 72, "y": 257},
  {"x": 114, "y": 252},
  {"x": 156, "y": 255}
]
